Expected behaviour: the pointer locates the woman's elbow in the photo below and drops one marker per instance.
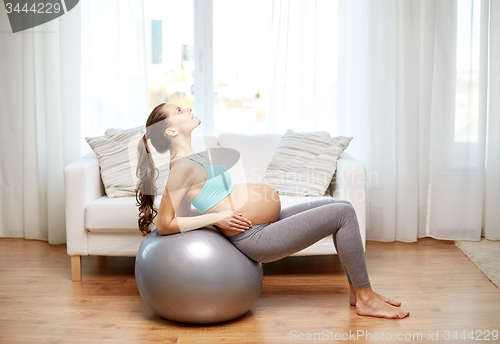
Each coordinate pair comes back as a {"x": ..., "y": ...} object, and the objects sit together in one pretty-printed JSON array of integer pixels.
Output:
[{"x": 164, "y": 227}]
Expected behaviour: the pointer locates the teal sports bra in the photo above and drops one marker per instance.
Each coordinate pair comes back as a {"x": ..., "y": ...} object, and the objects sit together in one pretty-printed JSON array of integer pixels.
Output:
[{"x": 217, "y": 187}]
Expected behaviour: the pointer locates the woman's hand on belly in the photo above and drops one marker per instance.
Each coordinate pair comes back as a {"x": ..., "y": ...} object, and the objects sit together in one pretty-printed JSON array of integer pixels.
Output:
[
  {"x": 231, "y": 223},
  {"x": 257, "y": 201}
]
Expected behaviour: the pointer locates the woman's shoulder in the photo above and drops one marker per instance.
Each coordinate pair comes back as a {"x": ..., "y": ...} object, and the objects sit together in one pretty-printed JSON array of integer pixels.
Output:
[
  {"x": 181, "y": 171},
  {"x": 182, "y": 164}
]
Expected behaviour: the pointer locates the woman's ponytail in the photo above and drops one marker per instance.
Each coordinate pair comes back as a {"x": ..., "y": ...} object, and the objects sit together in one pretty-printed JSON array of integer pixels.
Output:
[
  {"x": 146, "y": 189},
  {"x": 145, "y": 193}
]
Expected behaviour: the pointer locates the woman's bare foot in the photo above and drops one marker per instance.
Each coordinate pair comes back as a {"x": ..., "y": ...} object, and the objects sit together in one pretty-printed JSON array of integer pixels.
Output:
[
  {"x": 369, "y": 303},
  {"x": 352, "y": 298}
]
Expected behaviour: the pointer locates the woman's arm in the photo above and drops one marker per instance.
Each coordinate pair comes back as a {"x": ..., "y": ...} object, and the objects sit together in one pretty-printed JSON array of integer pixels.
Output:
[
  {"x": 189, "y": 223},
  {"x": 179, "y": 181}
]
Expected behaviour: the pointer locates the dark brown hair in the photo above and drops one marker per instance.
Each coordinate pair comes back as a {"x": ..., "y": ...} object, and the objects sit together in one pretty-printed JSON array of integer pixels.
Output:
[{"x": 146, "y": 171}]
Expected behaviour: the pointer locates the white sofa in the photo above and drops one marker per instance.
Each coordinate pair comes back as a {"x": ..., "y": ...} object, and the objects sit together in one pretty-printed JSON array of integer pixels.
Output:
[{"x": 103, "y": 226}]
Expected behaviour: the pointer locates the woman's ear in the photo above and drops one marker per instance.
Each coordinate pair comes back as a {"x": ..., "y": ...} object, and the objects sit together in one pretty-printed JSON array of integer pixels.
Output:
[{"x": 171, "y": 132}]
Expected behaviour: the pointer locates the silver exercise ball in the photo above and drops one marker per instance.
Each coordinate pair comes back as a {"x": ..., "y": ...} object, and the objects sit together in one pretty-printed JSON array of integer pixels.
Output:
[{"x": 196, "y": 277}]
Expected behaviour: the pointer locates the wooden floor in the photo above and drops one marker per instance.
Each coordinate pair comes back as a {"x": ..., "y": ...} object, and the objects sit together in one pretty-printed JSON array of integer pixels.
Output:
[{"x": 301, "y": 296}]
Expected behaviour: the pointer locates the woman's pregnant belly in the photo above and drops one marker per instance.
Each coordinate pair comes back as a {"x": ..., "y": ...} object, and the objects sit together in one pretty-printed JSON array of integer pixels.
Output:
[{"x": 256, "y": 201}]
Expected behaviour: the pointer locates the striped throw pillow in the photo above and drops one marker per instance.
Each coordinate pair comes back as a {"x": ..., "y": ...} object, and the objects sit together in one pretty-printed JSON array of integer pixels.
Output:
[
  {"x": 303, "y": 165},
  {"x": 117, "y": 156}
]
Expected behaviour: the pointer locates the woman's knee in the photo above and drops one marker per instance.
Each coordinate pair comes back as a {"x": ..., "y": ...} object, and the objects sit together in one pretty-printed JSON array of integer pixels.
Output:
[
  {"x": 345, "y": 202},
  {"x": 345, "y": 207},
  {"x": 338, "y": 201}
]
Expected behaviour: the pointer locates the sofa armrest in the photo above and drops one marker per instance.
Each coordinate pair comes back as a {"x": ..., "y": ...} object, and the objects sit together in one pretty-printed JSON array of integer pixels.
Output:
[
  {"x": 83, "y": 184},
  {"x": 349, "y": 183}
]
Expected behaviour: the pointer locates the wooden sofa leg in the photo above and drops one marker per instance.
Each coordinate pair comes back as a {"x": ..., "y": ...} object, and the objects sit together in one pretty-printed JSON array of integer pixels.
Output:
[{"x": 76, "y": 268}]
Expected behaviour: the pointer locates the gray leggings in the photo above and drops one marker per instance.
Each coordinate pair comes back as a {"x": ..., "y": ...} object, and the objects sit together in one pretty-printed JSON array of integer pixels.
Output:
[{"x": 300, "y": 226}]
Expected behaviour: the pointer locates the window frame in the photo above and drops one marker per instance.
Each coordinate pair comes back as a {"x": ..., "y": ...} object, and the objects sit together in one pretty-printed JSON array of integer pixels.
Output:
[{"x": 203, "y": 64}]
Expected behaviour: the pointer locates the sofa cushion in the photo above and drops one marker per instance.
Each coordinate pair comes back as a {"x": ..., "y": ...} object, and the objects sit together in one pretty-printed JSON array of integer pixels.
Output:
[
  {"x": 117, "y": 156},
  {"x": 303, "y": 165},
  {"x": 119, "y": 214},
  {"x": 116, "y": 215},
  {"x": 256, "y": 152}
]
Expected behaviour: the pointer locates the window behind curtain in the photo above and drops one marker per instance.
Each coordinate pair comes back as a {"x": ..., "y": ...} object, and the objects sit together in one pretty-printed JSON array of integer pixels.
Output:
[
  {"x": 242, "y": 65},
  {"x": 169, "y": 47},
  {"x": 467, "y": 85},
  {"x": 242, "y": 59},
  {"x": 465, "y": 145}
]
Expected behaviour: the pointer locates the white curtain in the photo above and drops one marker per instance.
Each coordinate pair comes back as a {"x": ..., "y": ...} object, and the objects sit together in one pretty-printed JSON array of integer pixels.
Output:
[
  {"x": 303, "y": 92},
  {"x": 39, "y": 114},
  {"x": 415, "y": 83},
  {"x": 72, "y": 77},
  {"x": 490, "y": 111},
  {"x": 114, "y": 70}
]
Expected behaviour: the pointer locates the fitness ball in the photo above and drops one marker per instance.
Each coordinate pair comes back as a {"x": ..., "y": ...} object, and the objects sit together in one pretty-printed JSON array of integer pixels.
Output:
[{"x": 196, "y": 277}]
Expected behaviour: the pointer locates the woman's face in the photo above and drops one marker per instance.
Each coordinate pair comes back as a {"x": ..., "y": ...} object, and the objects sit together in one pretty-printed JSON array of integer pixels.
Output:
[{"x": 181, "y": 119}]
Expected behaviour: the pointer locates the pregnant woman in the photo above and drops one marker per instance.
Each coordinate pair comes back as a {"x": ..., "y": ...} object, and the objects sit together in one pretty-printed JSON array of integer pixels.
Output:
[{"x": 248, "y": 213}]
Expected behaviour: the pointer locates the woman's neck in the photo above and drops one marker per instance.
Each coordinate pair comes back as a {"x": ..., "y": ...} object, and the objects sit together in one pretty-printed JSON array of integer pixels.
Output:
[{"x": 181, "y": 148}]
